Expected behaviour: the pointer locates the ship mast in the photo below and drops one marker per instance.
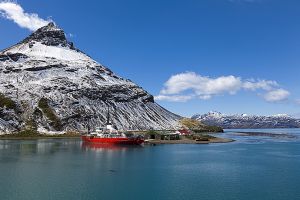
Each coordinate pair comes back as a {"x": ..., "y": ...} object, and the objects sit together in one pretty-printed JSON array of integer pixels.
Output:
[{"x": 108, "y": 122}]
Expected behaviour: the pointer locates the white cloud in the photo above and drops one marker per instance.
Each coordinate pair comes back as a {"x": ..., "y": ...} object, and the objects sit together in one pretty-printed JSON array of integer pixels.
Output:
[
  {"x": 276, "y": 95},
  {"x": 14, "y": 12},
  {"x": 203, "y": 87},
  {"x": 205, "y": 97},
  {"x": 260, "y": 84},
  {"x": 174, "y": 98}
]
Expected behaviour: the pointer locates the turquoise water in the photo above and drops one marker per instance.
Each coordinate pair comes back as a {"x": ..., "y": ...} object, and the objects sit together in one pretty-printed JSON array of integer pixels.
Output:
[{"x": 250, "y": 168}]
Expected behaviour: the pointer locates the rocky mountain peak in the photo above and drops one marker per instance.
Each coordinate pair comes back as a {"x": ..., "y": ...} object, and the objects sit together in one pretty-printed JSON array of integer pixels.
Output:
[
  {"x": 56, "y": 87},
  {"x": 50, "y": 35}
]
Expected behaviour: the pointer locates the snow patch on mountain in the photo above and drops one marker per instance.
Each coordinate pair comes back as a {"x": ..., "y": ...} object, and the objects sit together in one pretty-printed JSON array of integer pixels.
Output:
[{"x": 40, "y": 51}]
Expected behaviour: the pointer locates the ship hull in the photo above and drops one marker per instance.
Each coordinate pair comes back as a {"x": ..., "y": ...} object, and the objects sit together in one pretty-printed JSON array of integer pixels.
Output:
[{"x": 121, "y": 141}]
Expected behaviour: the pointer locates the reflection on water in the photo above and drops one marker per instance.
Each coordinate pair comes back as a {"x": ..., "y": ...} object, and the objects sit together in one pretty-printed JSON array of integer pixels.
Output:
[
  {"x": 19, "y": 148},
  {"x": 107, "y": 147},
  {"x": 41, "y": 146}
]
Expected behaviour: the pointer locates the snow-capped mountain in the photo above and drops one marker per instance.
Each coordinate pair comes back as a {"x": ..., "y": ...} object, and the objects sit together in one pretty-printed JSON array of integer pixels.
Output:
[
  {"x": 55, "y": 86},
  {"x": 248, "y": 121}
]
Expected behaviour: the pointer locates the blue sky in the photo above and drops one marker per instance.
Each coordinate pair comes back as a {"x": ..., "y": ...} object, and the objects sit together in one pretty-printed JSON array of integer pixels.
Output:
[{"x": 205, "y": 50}]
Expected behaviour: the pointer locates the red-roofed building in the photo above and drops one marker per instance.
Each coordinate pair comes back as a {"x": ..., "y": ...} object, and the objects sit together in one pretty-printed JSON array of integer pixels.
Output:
[{"x": 184, "y": 132}]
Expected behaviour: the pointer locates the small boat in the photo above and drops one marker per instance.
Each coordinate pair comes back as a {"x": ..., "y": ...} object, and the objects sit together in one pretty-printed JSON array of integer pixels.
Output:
[{"x": 109, "y": 135}]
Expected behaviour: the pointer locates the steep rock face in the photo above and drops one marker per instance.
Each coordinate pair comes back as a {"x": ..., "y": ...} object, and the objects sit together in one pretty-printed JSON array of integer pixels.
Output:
[
  {"x": 77, "y": 88},
  {"x": 248, "y": 121}
]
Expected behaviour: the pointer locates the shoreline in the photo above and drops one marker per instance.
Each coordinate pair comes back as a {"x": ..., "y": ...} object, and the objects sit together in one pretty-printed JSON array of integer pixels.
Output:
[
  {"x": 147, "y": 142},
  {"x": 189, "y": 141}
]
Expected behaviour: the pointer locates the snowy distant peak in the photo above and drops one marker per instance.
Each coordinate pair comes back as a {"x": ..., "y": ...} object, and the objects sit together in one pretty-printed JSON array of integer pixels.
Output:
[
  {"x": 50, "y": 35},
  {"x": 281, "y": 115},
  {"x": 248, "y": 121},
  {"x": 214, "y": 114}
]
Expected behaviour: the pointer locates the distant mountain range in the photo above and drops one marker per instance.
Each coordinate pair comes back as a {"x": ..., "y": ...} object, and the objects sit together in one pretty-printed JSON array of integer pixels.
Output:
[{"x": 247, "y": 121}]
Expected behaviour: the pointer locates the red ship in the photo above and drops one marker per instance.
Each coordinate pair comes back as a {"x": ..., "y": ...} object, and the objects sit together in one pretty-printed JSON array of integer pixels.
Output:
[
  {"x": 114, "y": 140},
  {"x": 109, "y": 135}
]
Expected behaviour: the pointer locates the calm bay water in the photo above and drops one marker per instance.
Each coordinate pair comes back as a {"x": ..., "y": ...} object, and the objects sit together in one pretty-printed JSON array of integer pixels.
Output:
[{"x": 250, "y": 168}]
